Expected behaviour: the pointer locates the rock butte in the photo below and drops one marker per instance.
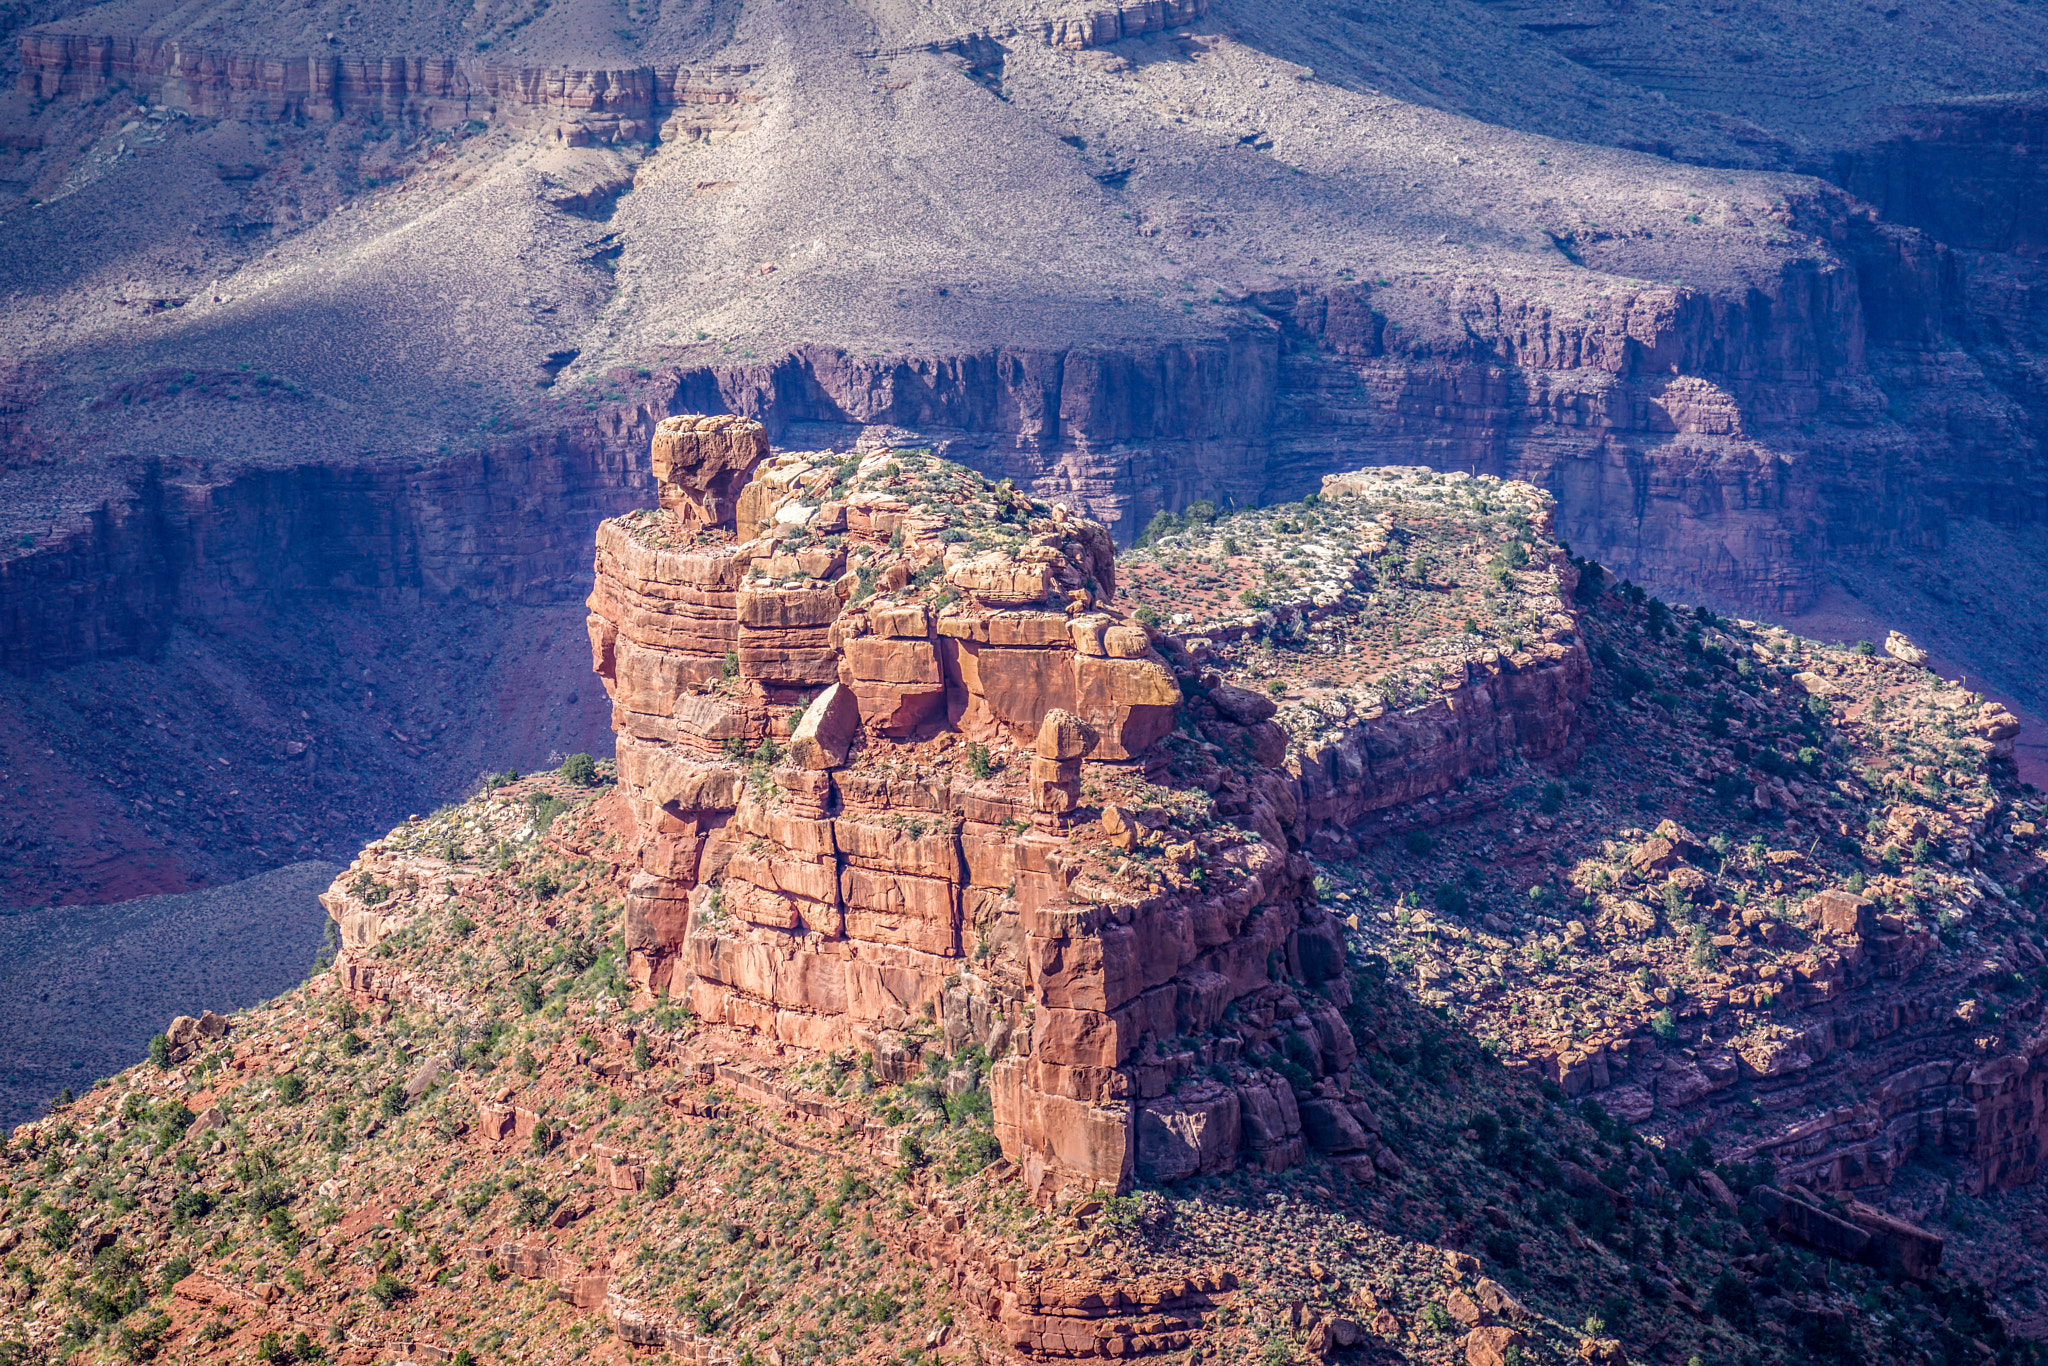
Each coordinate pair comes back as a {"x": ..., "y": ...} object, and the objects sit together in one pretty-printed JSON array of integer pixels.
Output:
[{"x": 880, "y": 893}]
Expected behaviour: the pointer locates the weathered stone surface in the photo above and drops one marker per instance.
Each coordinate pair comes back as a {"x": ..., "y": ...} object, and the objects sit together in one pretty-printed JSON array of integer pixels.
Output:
[
  {"x": 827, "y": 901},
  {"x": 1195, "y": 1133},
  {"x": 1812, "y": 1225},
  {"x": 1898, "y": 1243},
  {"x": 1488, "y": 1346},
  {"x": 827, "y": 731},
  {"x": 1837, "y": 912},
  {"x": 1902, "y": 648},
  {"x": 996, "y": 581},
  {"x": 702, "y": 462},
  {"x": 1494, "y": 1298},
  {"x": 1062, "y": 736}
]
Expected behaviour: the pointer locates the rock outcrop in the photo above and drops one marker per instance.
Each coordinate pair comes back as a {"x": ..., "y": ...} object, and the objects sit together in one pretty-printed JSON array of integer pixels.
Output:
[{"x": 861, "y": 741}]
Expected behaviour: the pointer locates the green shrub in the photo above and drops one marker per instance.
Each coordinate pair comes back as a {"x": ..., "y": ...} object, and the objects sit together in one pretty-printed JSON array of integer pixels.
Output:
[
  {"x": 579, "y": 769},
  {"x": 284, "y": 1232},
  {"x": 160, "y": 1050},
  {"x": 175, "y": 1270},
  {"x": 59, "y": 1229},
  {"x": 545, "y": 807},
  {"x": 535, "y": 1206},
  {"x": 1732, "y": 1299},
  {"x": 291, "y": 1088},
  {"x": 141, "y": 1341}
]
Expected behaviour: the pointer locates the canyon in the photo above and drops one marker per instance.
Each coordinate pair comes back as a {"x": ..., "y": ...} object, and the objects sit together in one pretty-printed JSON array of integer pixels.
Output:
[
  {"x": 1064, "y": 898},
  {"x": 1150, "y": 793}
]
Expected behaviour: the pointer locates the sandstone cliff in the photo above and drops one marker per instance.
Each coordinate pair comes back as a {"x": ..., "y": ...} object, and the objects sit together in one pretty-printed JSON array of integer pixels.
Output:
[{"x": 940, "y": 666}]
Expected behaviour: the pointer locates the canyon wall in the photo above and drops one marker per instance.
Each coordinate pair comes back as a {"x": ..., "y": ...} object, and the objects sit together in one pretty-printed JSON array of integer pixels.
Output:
[
  {"x": 577, "y": 105},
  {"x": 505, "y": 524},
  {"x": 1721, "y": 445},
  {"x": 1969, "y": 173}
]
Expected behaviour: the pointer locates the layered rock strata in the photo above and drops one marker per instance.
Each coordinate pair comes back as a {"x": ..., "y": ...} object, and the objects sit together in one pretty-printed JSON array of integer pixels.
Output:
[
  {"x": 1434, "y": 621},
  {"x": 577, "y": 106},
  {"x": 898, "y": 773}
]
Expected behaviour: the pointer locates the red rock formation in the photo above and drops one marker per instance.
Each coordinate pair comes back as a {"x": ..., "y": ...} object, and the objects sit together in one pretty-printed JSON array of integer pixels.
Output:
[{"x": 916, "y": 873}]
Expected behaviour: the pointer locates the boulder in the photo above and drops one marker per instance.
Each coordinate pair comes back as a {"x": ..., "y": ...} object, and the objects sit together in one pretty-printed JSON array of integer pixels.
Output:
[
  {"x": 1896, "y": 1243},
  {"x": 424, "y": 1076},
  {"x": 1331, "y": 1127},
  {"x": 1126, "y": 642},
  {"x": 1811, "y": 1225},
  {"x": 495, "y": 1122},
  {"x": 1715, "y": 1189},
  {"x": 1839, "y": 912},
  {"x": 1242, "y": 705},
  {"x": 1902, "y": 648},
  {"x": 700, "y": 463},
  {"x": 1463, "y": 1309},
  {"x": 1488, "y": 1345},
  {"x": 825, "y": 735},
  {"x": 1332, "y": 1336},
  {"x": 1493, "y": 1297},
  {"x": 1062, "y": 735},
  {"x": 1652, "y": 854},
  {"x": 1580, "y": 1182},
  {"x": 186, "y": 1033}
]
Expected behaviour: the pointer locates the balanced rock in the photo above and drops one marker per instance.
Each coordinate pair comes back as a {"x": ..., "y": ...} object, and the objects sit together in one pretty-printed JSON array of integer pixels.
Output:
[
  {"x": 700, "y": 463},
  {"x": 1903, "y": 649}
]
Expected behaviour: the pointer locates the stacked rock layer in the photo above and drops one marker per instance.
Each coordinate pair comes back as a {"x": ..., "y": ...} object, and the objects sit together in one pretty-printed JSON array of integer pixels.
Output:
[{"x": 898, "y": 773}]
